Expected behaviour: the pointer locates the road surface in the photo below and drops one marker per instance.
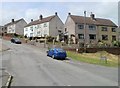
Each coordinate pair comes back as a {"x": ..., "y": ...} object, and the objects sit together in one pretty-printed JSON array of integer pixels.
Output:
[{"x": 31, "y": 67}]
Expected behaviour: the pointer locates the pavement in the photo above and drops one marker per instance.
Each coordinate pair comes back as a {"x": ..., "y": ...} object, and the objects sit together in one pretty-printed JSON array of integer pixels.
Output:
[
  {"x": 30, "y": 66},
  {"x": 4, "y": 75}
]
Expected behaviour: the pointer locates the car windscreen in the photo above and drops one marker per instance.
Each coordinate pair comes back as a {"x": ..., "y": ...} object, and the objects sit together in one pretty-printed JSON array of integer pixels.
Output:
[
  {"x": 17, "y": 39},
  {"x": 60, "y": 50}
]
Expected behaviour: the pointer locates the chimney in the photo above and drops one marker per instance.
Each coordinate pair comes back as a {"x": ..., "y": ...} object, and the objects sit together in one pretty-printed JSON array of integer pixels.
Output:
[
  {"x": 40, "y": 17},
  {"x": 55, "y": 13},
  {"x": 12, "y": 20},
  {"x": 69, "y": 13},
  {"x": 31, "y": 20},
  {"x": 92, "y": 16}
]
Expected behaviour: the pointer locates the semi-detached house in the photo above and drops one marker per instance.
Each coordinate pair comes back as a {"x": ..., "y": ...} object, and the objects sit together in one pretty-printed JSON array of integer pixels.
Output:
[
  {"x": 15, "y": 26},
  {"x": 88, "y": 30},
  {"x": 48, "y": 26}
]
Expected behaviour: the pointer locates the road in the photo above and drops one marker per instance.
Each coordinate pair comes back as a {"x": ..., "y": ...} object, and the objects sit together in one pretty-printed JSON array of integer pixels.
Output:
[{"x": 31, "y": 67}]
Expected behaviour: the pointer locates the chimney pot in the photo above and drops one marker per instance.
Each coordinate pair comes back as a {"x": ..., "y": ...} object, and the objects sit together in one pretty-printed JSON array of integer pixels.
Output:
[
  {"x": 12, "y": 20},
  {"x": 92, "y": 16},
  {"x": 55, "y": 13},
  {"x": 31, "y": 20},
  {"x": 40, "y": 17},
  {"x": 69, "y": 13}
]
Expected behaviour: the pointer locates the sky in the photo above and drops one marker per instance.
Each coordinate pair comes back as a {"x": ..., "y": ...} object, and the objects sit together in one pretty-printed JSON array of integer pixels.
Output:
[{"x": 32, "y": 10}]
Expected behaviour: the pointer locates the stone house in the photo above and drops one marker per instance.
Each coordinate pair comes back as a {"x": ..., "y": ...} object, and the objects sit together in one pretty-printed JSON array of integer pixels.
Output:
[{"x": 89, "y": 30}]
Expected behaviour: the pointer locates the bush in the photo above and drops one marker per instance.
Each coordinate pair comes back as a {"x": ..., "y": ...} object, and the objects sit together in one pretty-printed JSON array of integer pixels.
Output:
[{"x": 50, "y": 38}]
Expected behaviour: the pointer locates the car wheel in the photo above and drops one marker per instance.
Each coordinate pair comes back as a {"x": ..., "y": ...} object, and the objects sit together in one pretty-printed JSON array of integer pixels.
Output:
[{"x": 53, "y": 56}]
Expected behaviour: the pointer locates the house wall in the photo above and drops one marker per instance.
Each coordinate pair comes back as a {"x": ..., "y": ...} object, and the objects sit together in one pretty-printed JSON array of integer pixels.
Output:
[
  {"x": 28, "y": 31},
  {"x": 43, "y": 29},
  {"x": 54, "y": 25},
  {"x": 118, "y": 34},
  {"x": 70, "y": 27},
  {"x": 19, "y": 28},
  {"x": 38, "y": 30},
  {"x": 11, "y": 28},
  {"x": 108, "y": 32},
  {"x": 1, "y": 29},
  {"x": 86, "y": 34}
]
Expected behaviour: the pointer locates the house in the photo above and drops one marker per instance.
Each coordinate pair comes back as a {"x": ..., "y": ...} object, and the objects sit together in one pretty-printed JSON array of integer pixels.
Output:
[
  {"x": 89, "y": 30},
  {"x": 118, "y": 31},
  {"x": 15, "y": 26},
  {"x": 1, "y": 29},
  {"x": 44, "y": 26}
]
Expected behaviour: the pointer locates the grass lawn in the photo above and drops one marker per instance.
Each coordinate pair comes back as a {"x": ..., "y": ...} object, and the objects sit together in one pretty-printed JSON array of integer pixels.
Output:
[{"x": 94, "y": 58}]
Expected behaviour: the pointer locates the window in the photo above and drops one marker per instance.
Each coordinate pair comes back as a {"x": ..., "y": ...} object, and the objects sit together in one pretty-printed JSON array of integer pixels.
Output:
[
  {"x": 45, "y": 25},
  {"x": 31, "y": 34},
  {"x": 80, "y": 26},
  {"x": 5, "y": 28},
  {"x": 92, "y": 27},
  {"x": 65, "y": 29},
  {"x": 104, "y": 37},
  {"x": 104, "y": 28},
  {"x": 26, "y": 29},
  {"x": 113, "y": 29},
  {"x": 31, "y": 28},
  {"x": 81, "y": 36},
  {"x": 113, "y": 38},
  {"x": 38, "y": 32},
  {"x": 92, "y": 36}
]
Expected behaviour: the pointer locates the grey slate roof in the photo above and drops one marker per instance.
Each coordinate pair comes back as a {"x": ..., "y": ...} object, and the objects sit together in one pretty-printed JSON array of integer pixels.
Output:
[
  {"x": 89, "y": 20},
  {"x": 13, "y": 22},
  {"x": 47, "y": 19}
]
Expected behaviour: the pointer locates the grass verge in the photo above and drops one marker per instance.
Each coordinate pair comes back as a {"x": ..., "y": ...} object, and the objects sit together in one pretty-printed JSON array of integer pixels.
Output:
[{"x": 94, "y": 58}]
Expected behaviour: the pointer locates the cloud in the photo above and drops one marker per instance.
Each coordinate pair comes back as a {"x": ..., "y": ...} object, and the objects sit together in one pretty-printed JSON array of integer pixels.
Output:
[
  {"x": 108, "y": 10},
  {"x": 33, "y": 10},
  {"x": 60, "y": 1},
  {"x": 34, "y": 13}
]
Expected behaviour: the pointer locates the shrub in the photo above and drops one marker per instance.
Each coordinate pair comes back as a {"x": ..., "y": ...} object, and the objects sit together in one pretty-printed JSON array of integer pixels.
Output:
[{"x": 50, "y": 38}]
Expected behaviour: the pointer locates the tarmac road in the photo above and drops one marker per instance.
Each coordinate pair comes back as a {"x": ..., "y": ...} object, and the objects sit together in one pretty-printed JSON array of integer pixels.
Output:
[{"x": 31, "y": 67}]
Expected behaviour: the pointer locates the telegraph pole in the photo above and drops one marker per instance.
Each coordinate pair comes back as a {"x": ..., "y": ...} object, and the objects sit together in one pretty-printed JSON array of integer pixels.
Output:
[{"x": 85, "y": 36}]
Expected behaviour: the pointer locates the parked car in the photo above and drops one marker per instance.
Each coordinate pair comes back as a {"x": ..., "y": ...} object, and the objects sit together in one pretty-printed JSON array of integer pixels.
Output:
[
  {"x": 16, "y": 40},
  {"x": 57, "y": 53}
]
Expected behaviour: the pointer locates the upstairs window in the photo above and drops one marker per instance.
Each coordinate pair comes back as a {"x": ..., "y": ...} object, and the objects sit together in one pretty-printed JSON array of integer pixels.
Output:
[
  {"x": 45, "y": 25},
  {"x": 113, "y": 29},
  {"x": 104, "y": 28},
  {"x": 65, "y": 29},
  {"x": 92, "y": 27},
  {"x": 31, "y": 28},
  {"x": 5, "y": 28},
  {"x": 81, "y": 36},
  {"x": 80, "y": 26},
  {"x": 26, "y": 29},
  {"x": 92, "y": 36},
  {"x": 104, "y": 37}
]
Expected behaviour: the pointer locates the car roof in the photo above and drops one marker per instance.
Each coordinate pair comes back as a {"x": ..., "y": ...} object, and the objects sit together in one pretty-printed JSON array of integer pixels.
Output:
[{"x": 57, "y": 48}]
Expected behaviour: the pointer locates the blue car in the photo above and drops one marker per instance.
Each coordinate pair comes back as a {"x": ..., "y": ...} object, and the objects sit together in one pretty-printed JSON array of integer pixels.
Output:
[{"x": 57, "y": 53}]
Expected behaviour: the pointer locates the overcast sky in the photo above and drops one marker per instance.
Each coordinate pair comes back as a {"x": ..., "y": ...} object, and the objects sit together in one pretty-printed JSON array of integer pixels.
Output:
[{"x": 32, "y": 10}]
